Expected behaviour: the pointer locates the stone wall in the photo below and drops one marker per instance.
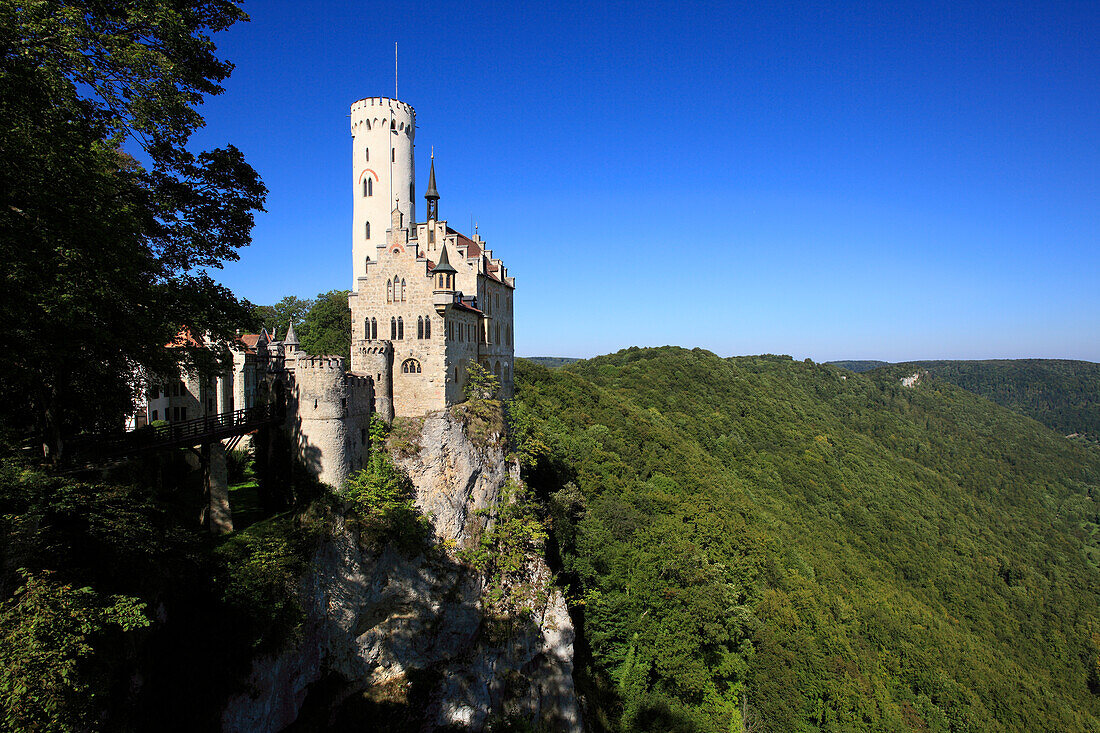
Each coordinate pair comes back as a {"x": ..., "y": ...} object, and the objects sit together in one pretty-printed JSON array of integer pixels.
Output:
[{"x": 329, "y": 413}]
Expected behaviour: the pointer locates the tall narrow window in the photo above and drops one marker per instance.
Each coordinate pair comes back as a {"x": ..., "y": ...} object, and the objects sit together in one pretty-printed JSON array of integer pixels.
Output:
[
  {"x": 402, "y": 291},
  {"x": 389, "y": 291},
  {"x": 368, "y": 230},
  {"x": 365, "y": 189},
  {"x": 400, "y": 328},
  {"x": 373, "y": 328},
  {"x": 393, "y": 155},
  {"x": 428, "y": 327},
  {"x": 366, "y": 329},
  {"x": 420, "y": 327},
  {"x": 393, "y": 328},
  {"x": 370, "y": 186}
]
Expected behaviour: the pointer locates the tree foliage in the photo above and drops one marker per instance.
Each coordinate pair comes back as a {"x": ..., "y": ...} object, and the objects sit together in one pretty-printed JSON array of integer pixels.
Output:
[
  {"x": 105, "y": 256},
  {"x": 327, "y": 327},
  {"x": 757, "y": 541}
]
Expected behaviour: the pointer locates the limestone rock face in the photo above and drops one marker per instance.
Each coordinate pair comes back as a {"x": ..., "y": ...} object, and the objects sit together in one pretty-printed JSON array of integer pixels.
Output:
[{"x": 388, "y": 632}]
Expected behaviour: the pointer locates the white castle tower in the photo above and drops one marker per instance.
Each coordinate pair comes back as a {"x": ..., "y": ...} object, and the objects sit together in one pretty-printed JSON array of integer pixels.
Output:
[{"x": 382, "y": 131}]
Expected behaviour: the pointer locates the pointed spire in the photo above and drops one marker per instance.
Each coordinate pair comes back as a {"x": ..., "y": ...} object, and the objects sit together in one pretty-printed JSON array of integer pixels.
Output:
[
  {"x": 432, "y": 195},
  {"x": 444, "y": 264},
  {"x": 291, "y": 338}
]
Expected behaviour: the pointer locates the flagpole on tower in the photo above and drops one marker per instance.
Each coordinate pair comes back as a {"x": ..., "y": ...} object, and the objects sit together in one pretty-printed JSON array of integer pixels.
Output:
[{"x": 395, "y": 70}]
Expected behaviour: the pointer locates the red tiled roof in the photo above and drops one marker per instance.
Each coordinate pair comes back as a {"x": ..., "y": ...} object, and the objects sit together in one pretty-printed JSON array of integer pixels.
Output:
[
  {"x": 183, "y": 338},
  {"x": 464, "y": 306},
  {"x": 473, "y": 249}
]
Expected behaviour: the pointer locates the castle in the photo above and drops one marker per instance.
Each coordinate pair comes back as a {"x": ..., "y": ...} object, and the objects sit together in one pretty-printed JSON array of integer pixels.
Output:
[{"x": 426, "y": 302}]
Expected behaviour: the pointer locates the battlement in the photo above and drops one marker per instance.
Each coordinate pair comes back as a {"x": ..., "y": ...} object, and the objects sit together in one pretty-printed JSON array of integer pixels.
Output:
[
  {"x": 368, "y": 114},
  {"x": 375, "y": 347},
  {"x": 320, "y": 363}
]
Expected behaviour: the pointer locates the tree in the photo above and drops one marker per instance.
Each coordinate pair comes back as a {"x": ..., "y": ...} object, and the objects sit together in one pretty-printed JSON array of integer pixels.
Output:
[
  {"x": 327, "y": 327},
  {"x": 106, "y": 258},
  {"x": 277, "y": 318}
]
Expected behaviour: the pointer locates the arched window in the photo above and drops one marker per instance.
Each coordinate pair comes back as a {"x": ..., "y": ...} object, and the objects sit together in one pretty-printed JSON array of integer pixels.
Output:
[
  {"x": 393, "y": 328},
  {"x": 506, "y": 377},
  {"x": 396, "y": 289},
  {"x": 456, "y": 378},
  {"x": 373, "y": 328},
  {"x": 427, "y": 327},
  {"x": 420, "y": 327},
  {"x": 400, "y": 328},
  {"x": 389, "y": 291},
  {"x": 368, "y": 186},
  {"x": 496, "y": 335},
  {"x": 393, "y": 155},
  {"x": 368, "y": 232},
  {"x": 496, "y": 370},
  {"x": 368, "y": 149},
  {"x": 410, "y": 366},
  {"x": 366, "y": 328},
  {"x": 402, "y": 291}
]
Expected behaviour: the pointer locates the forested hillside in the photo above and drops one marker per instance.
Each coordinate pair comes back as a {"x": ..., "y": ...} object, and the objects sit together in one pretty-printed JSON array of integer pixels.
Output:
[
  {"x": 787, "y": 546},
  {"x": 1060, "y": 393}
]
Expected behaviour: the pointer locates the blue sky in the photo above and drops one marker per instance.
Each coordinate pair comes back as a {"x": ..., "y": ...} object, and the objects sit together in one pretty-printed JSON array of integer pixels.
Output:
[{"x": 823, "y": 180}]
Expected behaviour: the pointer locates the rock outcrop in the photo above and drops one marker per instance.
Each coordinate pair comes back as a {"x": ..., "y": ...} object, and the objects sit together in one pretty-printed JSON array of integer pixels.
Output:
[{"x": 410, "y": 637}]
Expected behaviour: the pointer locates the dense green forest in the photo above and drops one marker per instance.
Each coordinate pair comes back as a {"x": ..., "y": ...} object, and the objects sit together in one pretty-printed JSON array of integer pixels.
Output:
[
  {"x": 860, "y": 366},
  {"x": 552, "y": 361},
  {"x": 788, "y": 546},
  {"x": 1060, "y": 393}
]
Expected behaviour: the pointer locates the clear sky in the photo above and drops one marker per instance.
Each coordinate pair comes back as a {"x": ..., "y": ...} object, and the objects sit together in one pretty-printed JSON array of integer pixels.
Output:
[{"x": 826, "y": 180}]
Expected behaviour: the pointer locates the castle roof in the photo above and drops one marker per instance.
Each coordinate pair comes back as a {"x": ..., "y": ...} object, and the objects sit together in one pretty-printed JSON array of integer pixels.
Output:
[
  {"x": 291, "y": 338},
  {"x": 183, "y": 338},
  {"x": 432, "y": 194},
  {"x": 444, "y": 264}
]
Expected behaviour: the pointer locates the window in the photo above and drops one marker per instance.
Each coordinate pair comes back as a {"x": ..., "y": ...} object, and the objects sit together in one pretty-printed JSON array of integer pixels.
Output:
[
  {"x": 366, "y": 329},
  {"x": 373, "y": 328},
  {"x": 420, "y": 327},
  {"x": 410, "y": 366},
  {"x": 368, "y": 186},
  {"x": 393, "y": 328},
  {"x": 400, "y": 328},
  {"x": 362, "y": 436},
  {"x": 496, "y": 370},
  {"x": 402, "y": 291},
  {"x": 496, "y": 335},
  {"x": 368, "y": 235},
  {"x": 393, "y": 155},
  {"x": 154, "y": 415},
  {"x": 427, "y": 327},
  {"x": 368, "y": 152},
  {"x": 389, "y": 291}
]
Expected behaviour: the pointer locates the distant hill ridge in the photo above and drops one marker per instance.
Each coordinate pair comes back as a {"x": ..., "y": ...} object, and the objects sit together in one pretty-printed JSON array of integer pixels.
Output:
[{"x": 1063, "y": 394}]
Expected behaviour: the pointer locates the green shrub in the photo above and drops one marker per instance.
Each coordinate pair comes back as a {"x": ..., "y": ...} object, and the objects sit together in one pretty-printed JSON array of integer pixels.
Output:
[
  {"x": 48, "y": 633},
  {"x": 380, "y": 499}
]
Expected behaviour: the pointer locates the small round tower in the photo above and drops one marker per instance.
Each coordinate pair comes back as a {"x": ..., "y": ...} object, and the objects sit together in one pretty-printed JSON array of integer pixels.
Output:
[
  {"x": 382, "y": 132},
  {"x": 375, "y": 359},
  {"x": 333, "y": 416}
]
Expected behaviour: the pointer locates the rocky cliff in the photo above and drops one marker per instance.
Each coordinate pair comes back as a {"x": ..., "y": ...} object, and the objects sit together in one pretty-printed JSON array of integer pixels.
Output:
[{"x": 399, "y": 641}]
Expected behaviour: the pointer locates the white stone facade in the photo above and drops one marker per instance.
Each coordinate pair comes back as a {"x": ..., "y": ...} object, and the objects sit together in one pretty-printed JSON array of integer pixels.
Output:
[{"x": 432, "y": 328}]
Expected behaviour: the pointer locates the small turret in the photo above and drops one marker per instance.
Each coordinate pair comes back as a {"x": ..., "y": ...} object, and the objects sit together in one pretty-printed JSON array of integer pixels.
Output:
[
  {"x": 443, "y": 280},
  {"x": 290, "y": 341}
]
